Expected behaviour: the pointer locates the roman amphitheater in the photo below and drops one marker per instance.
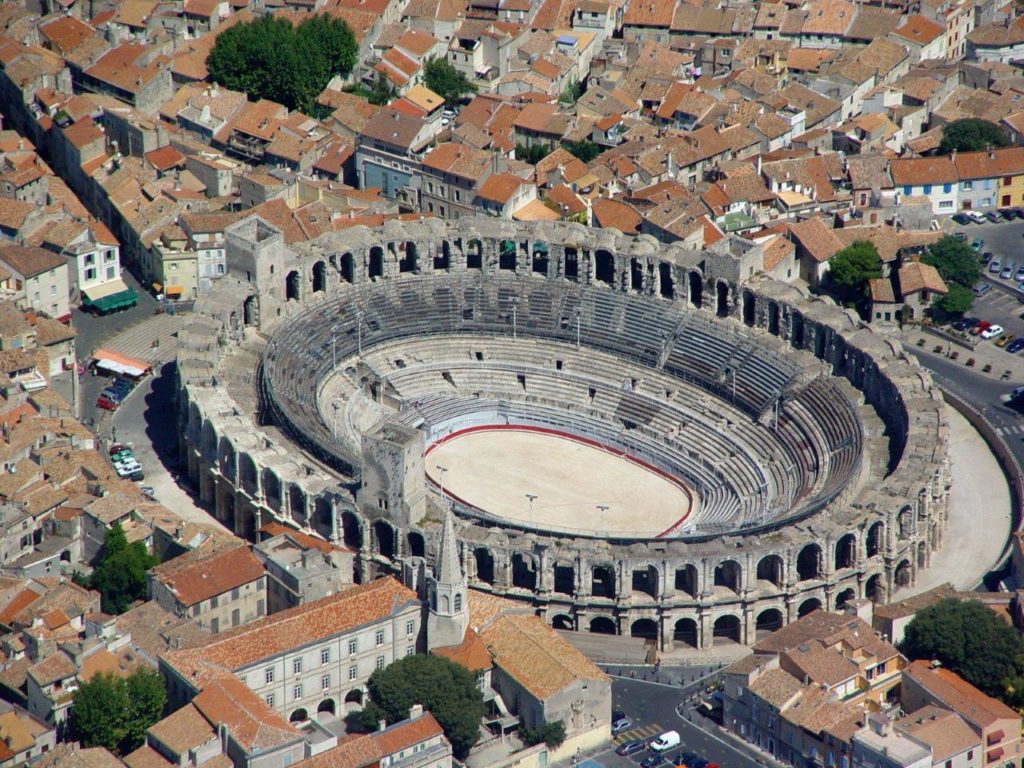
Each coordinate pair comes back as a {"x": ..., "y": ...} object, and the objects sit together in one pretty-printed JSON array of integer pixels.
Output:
[{"x": 637, "y": 439}]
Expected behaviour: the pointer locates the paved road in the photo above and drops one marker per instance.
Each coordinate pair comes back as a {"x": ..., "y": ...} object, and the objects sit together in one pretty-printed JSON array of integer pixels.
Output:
[{"x": 92, "y": 331}]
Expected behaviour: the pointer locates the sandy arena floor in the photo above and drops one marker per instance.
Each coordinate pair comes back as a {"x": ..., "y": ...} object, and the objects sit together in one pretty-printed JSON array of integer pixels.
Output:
[{"x": 494, "y": 468}]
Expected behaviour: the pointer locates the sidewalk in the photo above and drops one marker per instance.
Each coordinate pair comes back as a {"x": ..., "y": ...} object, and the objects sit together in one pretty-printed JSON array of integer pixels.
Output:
[{"x": 988, "y": 359}]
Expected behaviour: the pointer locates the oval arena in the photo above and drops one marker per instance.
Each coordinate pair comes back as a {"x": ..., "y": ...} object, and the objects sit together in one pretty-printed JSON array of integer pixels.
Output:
[{"x": 636, "y": 438}]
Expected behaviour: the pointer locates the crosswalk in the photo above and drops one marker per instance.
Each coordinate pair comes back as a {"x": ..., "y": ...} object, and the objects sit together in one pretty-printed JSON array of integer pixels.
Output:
[
  {"x": 640, "y": 732},
  {"x": 1015, "y": 429}
]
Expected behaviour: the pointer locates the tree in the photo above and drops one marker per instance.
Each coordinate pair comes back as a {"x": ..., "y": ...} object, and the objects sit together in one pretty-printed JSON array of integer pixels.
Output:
[
  {"x": 441, "y": 76},
  {"x": 584, "y": 149},
  {"x": 382, "y": 92},
  {"x": 552, "y": 734},
  {"x": 572, "y": 93},
  {"x": 956, "y": 302},
  {"x": 972, "y": 134},
  {"x": 441, "y": 686},
  {"x": 114, "y": 712},
  {"x": 851, "y": 268},
  {"x": 532, "y": 154},
  {"x": 120, "y": 576},
  {"x": 969, "y": 639},
  {"x": 270, "y": 58},
  {"x": 955, "y": 260}
]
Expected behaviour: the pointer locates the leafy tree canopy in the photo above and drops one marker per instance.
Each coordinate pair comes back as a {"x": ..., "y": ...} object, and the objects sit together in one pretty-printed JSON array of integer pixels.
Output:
[
  {"x": 572, "y": 93},
  {"x": 972, "y": 134},
  {"x": 382, "y": 92},
  {"x": 441, "y": 686},
  {"x": 120, "y": 576},
  {"x": 269, "y": 58},
  {"x": 957, "y": 301},
  {"x": 441, "y": 76},
  {"x": 552, "y": 734},
  {"x": 584, "y": 149},
  {"x": 956, "y": 261},
  {"x": 114, "y": 712},
  {"x": 532, "y": 154},
  {"x": 969, "y": 639},
  {"x": 851, "y": 268}
]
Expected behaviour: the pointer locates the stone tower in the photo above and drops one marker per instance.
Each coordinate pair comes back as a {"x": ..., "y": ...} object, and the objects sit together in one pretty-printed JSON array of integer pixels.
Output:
[{"x": 447, "y": 593}]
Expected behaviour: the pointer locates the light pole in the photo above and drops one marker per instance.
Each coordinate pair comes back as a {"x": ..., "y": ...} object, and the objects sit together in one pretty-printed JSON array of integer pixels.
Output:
[
  {"x": 359, "y": 331},
  {"x": 578, "y": 328},
  {"x": 334, "y": 347},
  {"x": 441, "y": 470},
  {"x": 531, "y": 497},
  {"x": 514, "y": 319},
  {"x": 334, "y": 421},
  {"x": 601, "y": 509}
]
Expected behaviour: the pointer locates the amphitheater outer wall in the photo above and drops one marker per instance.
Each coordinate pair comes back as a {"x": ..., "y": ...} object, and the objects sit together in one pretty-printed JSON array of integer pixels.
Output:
[{"x": 867, "y": 545}]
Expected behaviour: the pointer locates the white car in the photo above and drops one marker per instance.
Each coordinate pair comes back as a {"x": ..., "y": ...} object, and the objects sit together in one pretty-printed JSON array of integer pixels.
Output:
[
  {"x": 992, "y": 332},
  {"x": 977, "y": 218}
]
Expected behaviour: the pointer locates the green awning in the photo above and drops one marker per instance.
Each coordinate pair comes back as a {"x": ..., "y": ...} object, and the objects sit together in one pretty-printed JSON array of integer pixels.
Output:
[{"x": 119, "y": 300}]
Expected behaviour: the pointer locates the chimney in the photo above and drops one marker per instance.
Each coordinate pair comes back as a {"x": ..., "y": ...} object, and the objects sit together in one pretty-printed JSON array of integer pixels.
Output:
[
  {"x": 382, "y": 724},
  {"x": 415, "y": 711}
]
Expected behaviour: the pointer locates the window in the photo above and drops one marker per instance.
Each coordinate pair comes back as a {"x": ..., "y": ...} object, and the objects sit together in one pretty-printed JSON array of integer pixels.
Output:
[
  {"x": 234, "y": 593},
  {"x": 215, "y": 625},
  {"x": 297, "y": 691},
  {"x": 927, "y": 189},
  {"x": 409, "y": 651},
  {"x": 353, "y": 673},
  {"x": 351, "y": 647},
  {"x": 947, "y": 188},
  {"x": 215, "y": 601},
  {"x": 90, "y": 274},
  {"x": 970, "y": 754},
  {"x": 945, "y": 204},
  {"x": 379, "y": 637},
  {"x": 410, "y": 627},
  {"x": 325, "y": 682},
  {"x": 259, "y": 604},
  {"x": 325, "y": 655},
  {"x": 270, "y": 699},
  {"x": 458, "y": 601},
  {"x": 269, "y": 675},
  {"x": 195, "y": 610},
  {"x": 907, "y": 190},
  {"x": 297, "y": 666},
  {"x": 968, "y": 185},
  {"x": 235, "y": 618},
  {"x": 111, "y": 273},
  {"x": 90, "y": 259},
  {"x": 380, "y": 662}
]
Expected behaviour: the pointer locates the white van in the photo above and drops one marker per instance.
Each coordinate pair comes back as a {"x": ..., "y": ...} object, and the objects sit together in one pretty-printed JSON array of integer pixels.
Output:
[{"x": 667, "y": 740}]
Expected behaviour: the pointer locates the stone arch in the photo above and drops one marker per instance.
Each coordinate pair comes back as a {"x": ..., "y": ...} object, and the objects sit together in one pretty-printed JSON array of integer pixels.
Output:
[
  {"x": 351, "y": 530},
  {"x": 844, "y": 597},
  {"x": 327, "y": 705},
  {"x": 636, "y": 275},
  {"x": 666, "y": 282},
  {"x": 507, "y": 255},
  {"x": 722, "y": 299},
  {"x": 248, "y": 474},
  {"x": 524, "y": 572},
  {"x": 562, "y": 621},
  {"x": 209, "y": 442},
  {"x": 874, "y": 588},
  {"x": 922, "y": 554},
  {"x": 645, "y": 580},
  {"x": 415, "y": 543},
  {"x": 293, "y": 286},
  {"x": 541, "y": 260},
  {"x": 875, "y": 539},
  {"x": 250, "y": 311},
  {"x": 696, "y": 286},
  {"x": 319, "y": 277},
  {"x": 298, "y": 716},
  {"x": 644, "y": 628},
  {"x": 384, "y": 539},
  {"x": 685, "y": 632},
  {"x": 772, "y": 569},
  {"x": 604, "y": 267},
  {"x": 749, "y": 308},
  {"x": 686, "y": 580},
  {"x": 564, "y": 578},
  {"x": 796, "y": 329},
  {"x": 727, "y": 629},
  {"x": 572, "y": 263},
  {"x": 348, "y": 268},
  {"x": 769, "y": 620},
  {"x": 905, "y": 523},
  {"x": 729, "y": 574},
  {"x": 484, "y": 561},
  {"x": 903, "y": 575},
  {"x": 808, "y": 563},
  {"x": 443, "y": 257},
  {"x": 810, "y": 605},
  {"x": 354, "y": 700},
  {"x": 272, "y": 489},
  {"x": 297, "y": 503},
  {"x": 376, "y": 265},
  {"x": 602, "y": 581},
  {"x": 323, "y": 516},
  {"x": 228, "y": 458},
  {"x": 474, "y": 254},
  {"x": 408, "y": 261},
  {"x": 602, "y": 625},
  {"x": 846, "y": 552},
  {"x": 773, "y": 318}
]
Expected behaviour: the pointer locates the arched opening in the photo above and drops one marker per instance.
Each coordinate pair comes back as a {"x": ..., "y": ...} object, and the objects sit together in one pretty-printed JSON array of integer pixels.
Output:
[
  {"x": 922, "y": 555},
  {"x": 667, "y": 286},
  {"x": 249, "y": 311},
  {"x": 524, "y": 572},
  {"x": 844, "y": 597},
  {"x": 796, "y": 325},
  {"x": 292, "y": 286},
  {"x": 565, "y": 579},
  {"x": 603, "y": 582},
  {"x": 604, "y": 267},
  {"x": 903, "y": 574},
  {"x": 351, "y": 532},
  {"x": 443, "y": 258},
  {"x": 272, "y": 490},
  {"x": 602, "y": 625},
  {"x": 297, "y": 504},
  {"x": 686, "y": 580},
  {"x": 475, "y": 255},
  {"x": 354, "y": 700},
  {"x": 322, "y": 517},
  {"x": 319, "y": 277},
  {"x": 572, "y": 264},
  {"x": 636, "y": 275},
  {"x": 376, "y": 266},
  {"x": 696, "y": 290},
  {"x": 685, "y": 632},
  {"x": 768, "y": 621},
  {"x": 298, "y": 716},
  {"x": 748, "y": 308},
  {"x": 507, "y": 255},
  {"x": 722, "y": 299},
  {"x": 540, "y": 259},
  {"x": 484, "y": 565},
  {"x": 644, "y": 628},
  {"x": 808, "y": 563},
  {"x": 727, "y": 574},
  {"x": 645, "y": 581},
  {"x": 819, "y": 344},
  {"x": 348, "y": 268},
  {"x": 874, "y": 544},
  {"x": 384, "y": 537},
  {"x": 846, "y": 551},
  {"x": 407, "y": 261},
  {"x": 905, "y": 523},
  {"x": 327, "y": 705},
  {"x": 808, "y": 606},
  {"x": 416, "y": 545},
  {"x": 247, "y": 470},
  {"x": 726, "y": 630},
  {"x": 773, "y": 318},
  {"x": 561, "y": 621},
  {"x": 873, "y": 589},
  {"x": 771, "y": 569}
]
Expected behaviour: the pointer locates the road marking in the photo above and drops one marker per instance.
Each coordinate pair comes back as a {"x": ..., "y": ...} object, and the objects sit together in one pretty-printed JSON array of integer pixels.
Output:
[{"x": 640, "y": 732}]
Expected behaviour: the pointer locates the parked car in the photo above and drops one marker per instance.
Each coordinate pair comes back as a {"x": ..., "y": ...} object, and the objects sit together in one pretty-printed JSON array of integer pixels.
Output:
[
  {"x": 1005, "y": 339},
  {"x": 986, "y": 257},
  {"x": 983, "y": 325},
  {"x": 1008, "y": 271},
  {"x": 118, "y": 447},
  {"x": 962, "y": 219},
  {"x": 686, "y": 758},
  {"x": 992, "y": 332},
  {"x": 113, "y": 394},
  {"x": 122, "y": 456},
  {"x": 965, "y": 323},
  {"x": 653, "y": 761},
  {"x": 994, "y": 217},
  {"x": 974, "y": 216},
  {"x": 995, "y": 265},
  {"x": 1015, "y": 346},
  {"x": 148, "y": 491},
  {"x": 960, "y": 236},
  {"x": 667, "y": 740},
  {"x": 106, "y": 404},
  {"x": 1010, "y": 214},
  {"x": 621, "y": 724},
  {"x": 981, "y": 289},
  {"x": 627, "y": 748},
  {"x": 977, "y": 243}
]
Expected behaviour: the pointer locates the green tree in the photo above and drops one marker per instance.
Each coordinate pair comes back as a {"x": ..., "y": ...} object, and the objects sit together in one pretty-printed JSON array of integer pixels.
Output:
[
  {"x": 851, "y": 268},
  {"x": 441, "y": 76},
  {"x": 552, "y": 734},
  {"x": 532, "y": 154},
  {"x": 969, "y": 639},
  {"x": 441, "y": 686},
  {"x": 971, "y": 134},
  {"x": 382, "y": 92},
  {"x": 114, "y": 712},
  {"x": 572, "y": 93},
  {"x": 147, "y": 698},
  {"x": 584, "y": 149},
  {"x": 955, "y": 260},
  {"x": 120, "y": 576},
  {"x": 956, "y": 302},
  {"x": 269, "y": 58}
]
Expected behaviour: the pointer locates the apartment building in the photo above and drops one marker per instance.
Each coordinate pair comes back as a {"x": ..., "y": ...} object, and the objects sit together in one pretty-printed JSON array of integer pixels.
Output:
[
  {"x": 301, "y": 568},
  {"x": 40, "y": 279}
]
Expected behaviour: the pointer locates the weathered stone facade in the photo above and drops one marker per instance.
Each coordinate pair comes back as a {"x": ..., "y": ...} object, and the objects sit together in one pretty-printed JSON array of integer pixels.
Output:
[{"x": 259, "y": 438}]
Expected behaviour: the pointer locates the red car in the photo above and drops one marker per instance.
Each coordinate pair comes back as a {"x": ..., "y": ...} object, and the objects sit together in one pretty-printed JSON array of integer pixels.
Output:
[
  {"x": 984, "y": 325},
  {"x": 106, "y": 404}
]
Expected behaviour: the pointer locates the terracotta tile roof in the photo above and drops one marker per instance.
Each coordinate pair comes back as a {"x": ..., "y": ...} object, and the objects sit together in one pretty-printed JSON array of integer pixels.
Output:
[
  {"x": 459, "y": 160},
  {"x": 182, "y": 730},
  {"x": 471, "y": 653},
  {"x": 917, "y": 171},
  {"x": 649, "y": 13},
  {"x": 30, "y": 261},
  {"x": 66, "y": 33},
  {"x": 776, "y": 687},
  {"x": 817, "y": 238},
  {"x": 954, "y": 692},
  {"x": 83, "y": 132},
  {"x": 56, "y": 666},
  {"x": 71, "y": 755},
  {"x": 777, "y": 250},
  {"x": 406, "y": 734},
  {"x": 19, "y": 602},
  {"x": 829, "y": 17},
  {"x": 919, "y": 29},
  {"x": 917, "y": 276},
  {"x": 226, "y": 701},
  {"x": 944, "y": 731},
  {"x": 535, "y": 116},
  {"x": 146, "y": 757},
  {"x": 165, "y": 158},
  {"x": 621, "y": 216},
  {"x": 203, "y": 573},
  {"x": 1008, "y": 161},
  {"x": 500, "y": 187},
  {"x": 393, "y": 127}
]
